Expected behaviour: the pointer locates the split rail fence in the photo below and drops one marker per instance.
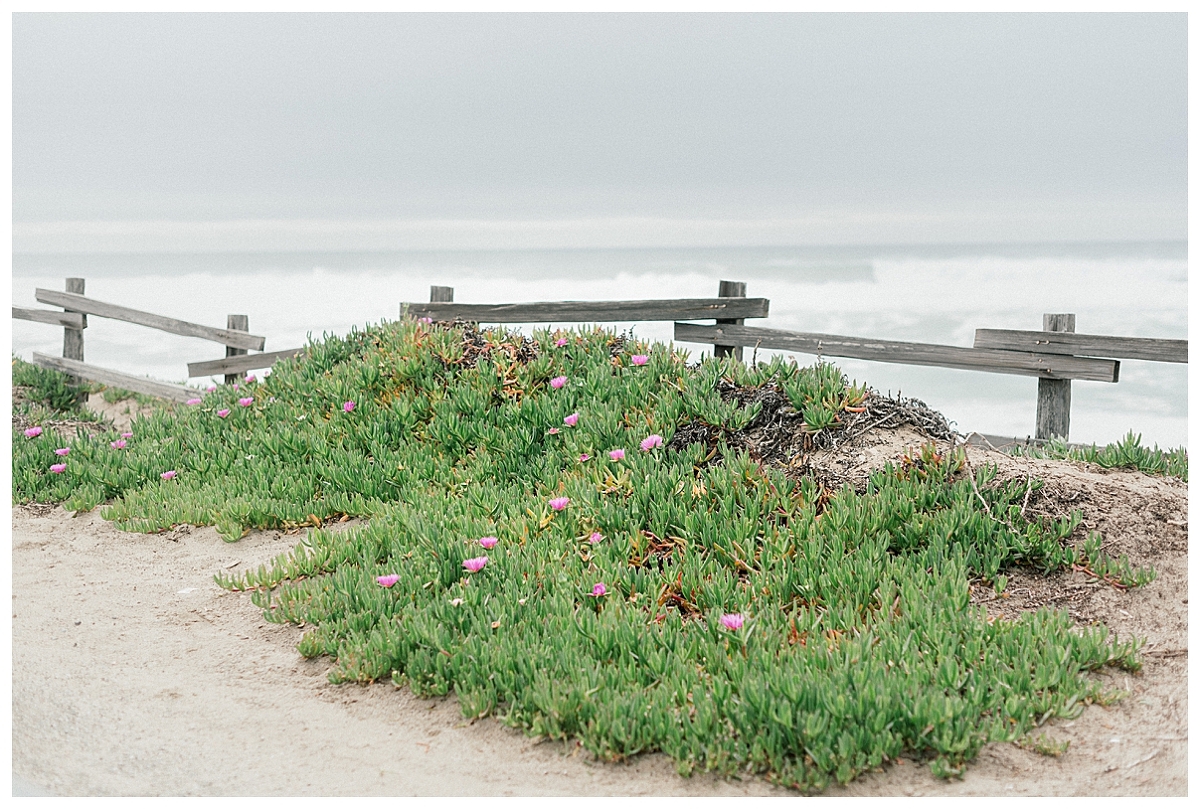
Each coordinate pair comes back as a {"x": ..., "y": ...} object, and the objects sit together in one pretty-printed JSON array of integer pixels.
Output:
[
  {"x": 74, "y": 319},
  {"x": 1056, "y": 354}
]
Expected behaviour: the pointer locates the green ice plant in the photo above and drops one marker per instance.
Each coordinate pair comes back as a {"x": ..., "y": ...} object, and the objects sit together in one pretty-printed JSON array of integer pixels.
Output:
[
  {"x": 1128, "y": 453},
  {"x": 535, "y": 547}
]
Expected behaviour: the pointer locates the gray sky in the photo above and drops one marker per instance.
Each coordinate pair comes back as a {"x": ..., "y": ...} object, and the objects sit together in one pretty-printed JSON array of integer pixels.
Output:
[{"x": 529, "y": 117}]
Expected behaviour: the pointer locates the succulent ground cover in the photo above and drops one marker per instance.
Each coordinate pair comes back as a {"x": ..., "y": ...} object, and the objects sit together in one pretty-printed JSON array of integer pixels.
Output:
[{"x": 573, "y": 533}]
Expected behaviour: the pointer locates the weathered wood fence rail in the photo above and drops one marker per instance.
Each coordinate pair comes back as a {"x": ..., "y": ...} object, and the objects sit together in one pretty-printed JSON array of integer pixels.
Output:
[
  {"x": 235, "y": 337},
  {"x": 1056, "y": 355}
]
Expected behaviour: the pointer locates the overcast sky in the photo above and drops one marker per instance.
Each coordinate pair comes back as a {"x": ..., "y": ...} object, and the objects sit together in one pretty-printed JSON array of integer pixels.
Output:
[{"x": 854, "y": 118}]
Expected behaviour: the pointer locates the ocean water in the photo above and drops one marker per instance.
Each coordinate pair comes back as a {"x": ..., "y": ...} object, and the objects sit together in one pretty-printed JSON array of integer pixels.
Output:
[{"x": 922, "y": 294}]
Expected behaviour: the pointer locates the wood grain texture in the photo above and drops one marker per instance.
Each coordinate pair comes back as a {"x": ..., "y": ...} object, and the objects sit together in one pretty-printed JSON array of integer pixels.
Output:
[
  {"x": 1054, "y": 395},
  {"x": 592, "y": 311},
  {"x": 70, "y": 320},
  {"x": 72, "y": 337},
  {"x": 970, "y": 359},
  {"x": 137, "y": 384},
  {"x": 730, "y": 289},
  {"x": 235, "y": 323},
  {"x": 240, "y": 364},
  {"x": 1084, "y": 345},
  {"x": 79, "y": 303}
]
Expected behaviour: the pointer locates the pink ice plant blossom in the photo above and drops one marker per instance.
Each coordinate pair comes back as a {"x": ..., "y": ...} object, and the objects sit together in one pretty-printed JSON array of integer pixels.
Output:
[
  {"x": 559, "y": 503},
  {"x": 235, "y": 387},
  {"x": 560, "y": 342},
  {"x": 33, "y": 432},
  {"x": 118, "y": 444},
  {"x": 595, "y": 537},
  {"x": 651, "y": 442},
  {"x": 168, "y": 475},
  {"x": 347, "y": 407},
  {"x": 488, "y": 542},
  {"x": 425, "y": 320},
  {"x": 584, "y": 458},
  {"x": 211, "y": 388},
  {"x": 617, "y": 454},
  {"x": 475, "y": 565},
  {"x": 553, "y": 431},
  {"x": 571, "y": 420},
  {"x": 223, "y": 412},
  {"x": 194, "y": 401},
  {"x": 58, "y": 468},
  {"x": 557, "y": 382},
  {"x": 598, "y": 589},
  {"x": 246, "y": 402},
  {"x": 388, "y": 580},
  {"x": 639, "y": 359},
  {"x": 127, "y": 435},
  {"x": 732, "y": 621},
  {"x": 63, "y": 451},
  {"x": 251, "y": 378},
  {"x": 455, "y": 601}
]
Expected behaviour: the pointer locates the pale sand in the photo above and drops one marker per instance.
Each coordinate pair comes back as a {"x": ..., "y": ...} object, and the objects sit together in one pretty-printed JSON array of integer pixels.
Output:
[{"x": 134, "y": 674}]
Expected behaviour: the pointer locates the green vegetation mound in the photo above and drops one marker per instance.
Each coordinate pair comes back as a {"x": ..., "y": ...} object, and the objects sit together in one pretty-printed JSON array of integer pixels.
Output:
[{"x": 738, "y": 617}]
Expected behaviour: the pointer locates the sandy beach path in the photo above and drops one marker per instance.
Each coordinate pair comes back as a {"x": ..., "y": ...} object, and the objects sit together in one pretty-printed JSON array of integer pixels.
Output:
[{"x": 134, "y": 674}]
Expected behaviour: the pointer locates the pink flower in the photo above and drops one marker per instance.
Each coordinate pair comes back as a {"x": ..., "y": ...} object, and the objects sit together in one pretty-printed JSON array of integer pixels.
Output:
[
  {"x": 249, "y": 400},
  {"x": 617, "y": 454},
  {"x": 475, "y": 565},
  {"x": 639, "y": 359},
  {"x": 651, "y": 442},
  {"x": 595, "y": 537},
  {"x": 211, "y": 388},
  {"x": 456, "y": 602},
  {"x": 33, "y": 432},
  {"x": 559, "y": 503},
  {"x": 571, "y": 420},
  {"x": 388, "y": 580},
  {"x": 425, "y": 319},
  {"x": 732, "y": 621},
  {"x": 58, "y": 468},
  {"x": 251, "y": 378},
  {"x": 347, "y": 407},
  {"x": 584, "y": 458},
  {"x": 118, "y": 444},
  {"x": 557, "y": 382},
  {"x": 223, "y": 412},
  {"x": 235, "y": 387},
  {"x": 598, "y": 589},
  {"x": 553, "y": 431},
  {"x": 127, "y": 435},
  {"x": 63, "y": 451},
  {"x": 488, "y": 542},
  {"x": 194, "y": 401},
  {"x": 168, "y": 475},
  {"x": 560, "y": 342}
]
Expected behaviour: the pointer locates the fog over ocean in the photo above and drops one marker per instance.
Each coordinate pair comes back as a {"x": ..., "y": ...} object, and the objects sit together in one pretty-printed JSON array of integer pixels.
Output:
[{"x": 935, "y": 294}]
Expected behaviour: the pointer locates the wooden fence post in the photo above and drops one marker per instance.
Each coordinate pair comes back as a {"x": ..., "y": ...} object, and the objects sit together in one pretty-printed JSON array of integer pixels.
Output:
[
  {"x": 236, "y": 323},
  {"x": 1054, "y": 395},
  {"x": 441, "y": 294},
  {"x": 730, "y": 289},
  {"x": 73, "y": 338}
]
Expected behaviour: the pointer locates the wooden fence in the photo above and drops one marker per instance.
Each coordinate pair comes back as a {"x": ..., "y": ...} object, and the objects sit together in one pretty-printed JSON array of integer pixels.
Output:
[
  {"x": 1056, "y": 355},
  {"x": 74, "y": 319}
]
